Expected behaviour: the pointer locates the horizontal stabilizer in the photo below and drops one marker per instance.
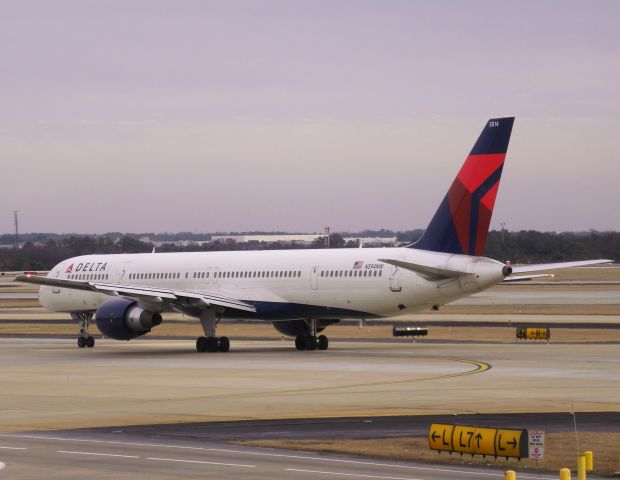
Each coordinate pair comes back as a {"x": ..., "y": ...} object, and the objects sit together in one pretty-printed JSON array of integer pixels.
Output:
[
  {"x": 425, "y": 271},
  {"x": 525, "y": 278},
  {"x": 551, "y": 266}
]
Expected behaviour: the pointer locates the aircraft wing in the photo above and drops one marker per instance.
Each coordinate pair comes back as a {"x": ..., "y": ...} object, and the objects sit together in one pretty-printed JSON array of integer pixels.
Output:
[
  {"x": 144, "y": 293},
  {"x": 552, "y": 266}
]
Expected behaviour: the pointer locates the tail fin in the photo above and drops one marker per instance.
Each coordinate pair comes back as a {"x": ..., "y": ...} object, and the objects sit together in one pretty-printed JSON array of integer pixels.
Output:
[{"x": 461, "y": 223}]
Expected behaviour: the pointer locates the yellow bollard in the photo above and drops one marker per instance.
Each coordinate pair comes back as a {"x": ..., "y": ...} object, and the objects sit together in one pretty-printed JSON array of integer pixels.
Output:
[
  {"x": 510, "y": 475},
  {"x": 565, "y": 474},
  {"x": 581, "y": 467},
  {"x": 589, "y": 461}
]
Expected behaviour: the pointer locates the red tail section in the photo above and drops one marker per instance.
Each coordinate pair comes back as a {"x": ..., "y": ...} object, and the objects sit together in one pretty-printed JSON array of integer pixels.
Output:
[{"x": 461, "y": 223}]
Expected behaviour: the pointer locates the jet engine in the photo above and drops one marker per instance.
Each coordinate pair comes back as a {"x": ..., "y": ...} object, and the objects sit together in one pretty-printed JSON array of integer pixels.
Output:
[
  {"x": 293, "y": 328},
  {"x": 122, "y": 319}
]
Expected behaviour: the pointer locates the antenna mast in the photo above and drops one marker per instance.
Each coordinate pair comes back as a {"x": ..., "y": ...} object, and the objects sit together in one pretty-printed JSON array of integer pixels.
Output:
[{"x": 15, "y": 212}]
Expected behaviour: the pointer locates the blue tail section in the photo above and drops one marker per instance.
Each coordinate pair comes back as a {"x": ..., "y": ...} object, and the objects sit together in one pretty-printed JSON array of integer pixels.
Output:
[{"x": 461, "y": 223}]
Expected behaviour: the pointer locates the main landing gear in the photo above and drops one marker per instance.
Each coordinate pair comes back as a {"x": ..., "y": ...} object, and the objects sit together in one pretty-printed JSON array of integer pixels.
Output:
[
  {"x": 210, "y": 343},
  {"x": 311, "y": 342},
  {"x": 85, "y": 339}
]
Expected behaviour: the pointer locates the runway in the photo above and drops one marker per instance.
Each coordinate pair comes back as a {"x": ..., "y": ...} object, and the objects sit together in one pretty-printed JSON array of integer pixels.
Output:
[
  {"x": 49, "y": 384},
  {"x": 50, "y": 457}
]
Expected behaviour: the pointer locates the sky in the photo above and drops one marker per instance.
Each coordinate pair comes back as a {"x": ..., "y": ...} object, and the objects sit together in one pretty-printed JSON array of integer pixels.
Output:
[{"x": 163, "y": 116}]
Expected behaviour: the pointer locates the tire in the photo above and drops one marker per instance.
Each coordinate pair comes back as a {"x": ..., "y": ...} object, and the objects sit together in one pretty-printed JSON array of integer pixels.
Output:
[
  {"x": 311, "y": 343},
  {"x": 201, "y": 344},
  {"x": 90, "y": 342},
  {"x": 223, "y": 344},
  {"x": 211, "y": 344},
  {"x": 323, "y": 342},
  {"x": 300, "y": 342},
  {"x": 81, "y": 342}
]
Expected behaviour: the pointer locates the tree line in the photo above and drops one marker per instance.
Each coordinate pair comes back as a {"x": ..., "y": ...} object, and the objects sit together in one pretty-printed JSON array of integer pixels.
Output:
[{"x": 43, "y": 251}]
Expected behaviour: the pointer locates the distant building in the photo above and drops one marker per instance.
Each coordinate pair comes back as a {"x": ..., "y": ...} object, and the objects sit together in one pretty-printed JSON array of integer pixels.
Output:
[
  {"x": 288, "y": 239},
  {"x": 373, "y": 241}
]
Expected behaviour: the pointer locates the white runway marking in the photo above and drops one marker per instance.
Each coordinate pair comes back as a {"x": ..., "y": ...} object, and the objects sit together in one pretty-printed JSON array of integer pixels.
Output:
[
  {"x": 275, "y": 455},
  {"x": 14, "y": 448},
  {"x": 201, "y": 462},
  {"x": 359, "y": 475},
  {"x": 2, "y": 465},
  {"x": 97, "y": 454}
]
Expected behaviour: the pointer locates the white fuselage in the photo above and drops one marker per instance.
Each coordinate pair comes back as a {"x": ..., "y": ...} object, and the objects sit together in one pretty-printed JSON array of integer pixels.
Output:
[{"x": 283, "y": 284}]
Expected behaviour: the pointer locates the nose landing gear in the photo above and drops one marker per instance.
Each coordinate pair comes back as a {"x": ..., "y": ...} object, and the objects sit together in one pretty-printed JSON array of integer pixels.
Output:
[{"x": 85, "y": 339}]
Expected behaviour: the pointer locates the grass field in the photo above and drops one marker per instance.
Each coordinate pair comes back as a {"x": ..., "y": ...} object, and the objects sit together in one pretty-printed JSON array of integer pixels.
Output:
[{"x": 560, "y": 451}]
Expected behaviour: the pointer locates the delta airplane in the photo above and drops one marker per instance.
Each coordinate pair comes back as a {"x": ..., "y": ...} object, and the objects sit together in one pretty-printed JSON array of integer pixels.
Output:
[{"x": 300, "y": 291}]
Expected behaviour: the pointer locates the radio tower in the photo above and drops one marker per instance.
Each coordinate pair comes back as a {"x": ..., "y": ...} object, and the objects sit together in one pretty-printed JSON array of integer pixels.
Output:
[{"x": 16, "y": 228}]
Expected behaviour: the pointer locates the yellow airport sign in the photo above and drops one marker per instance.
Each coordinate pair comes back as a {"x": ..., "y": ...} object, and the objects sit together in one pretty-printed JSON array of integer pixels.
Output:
[
  {"x": 474, "y": 440},
  {"x": 511, "y": 443},
  {"x": 440, "y": 437},
  {"x": 496, "y": 442}
]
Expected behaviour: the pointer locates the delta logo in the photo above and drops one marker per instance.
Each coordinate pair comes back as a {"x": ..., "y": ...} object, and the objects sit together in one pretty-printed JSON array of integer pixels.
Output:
[{"x": 69, "y": 269}]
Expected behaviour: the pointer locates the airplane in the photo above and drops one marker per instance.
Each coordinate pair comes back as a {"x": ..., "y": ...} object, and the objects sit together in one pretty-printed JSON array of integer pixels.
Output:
[{"x": 300, "y": 291}]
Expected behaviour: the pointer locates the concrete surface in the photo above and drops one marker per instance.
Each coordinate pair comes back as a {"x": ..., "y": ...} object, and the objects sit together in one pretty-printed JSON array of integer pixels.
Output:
[
  {"x": 49, "y": 383},
  {"x": 49, "y": 457}
]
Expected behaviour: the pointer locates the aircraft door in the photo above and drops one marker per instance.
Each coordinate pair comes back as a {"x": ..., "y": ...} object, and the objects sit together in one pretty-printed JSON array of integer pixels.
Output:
[
  {"x": 123, "y": 271},
  {"x": 395, "y": 275},
  {"x": 207, "y": 275},
  {"x": 216, "y": 274},
  {"x": 314, "y": 278}
]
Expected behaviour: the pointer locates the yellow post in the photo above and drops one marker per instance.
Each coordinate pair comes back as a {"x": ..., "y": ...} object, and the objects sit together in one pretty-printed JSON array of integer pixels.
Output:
[
  {"x": 589, "y": 461},
  {"x": 510, "y": 475},
  {"x": 581, "y": 467},
  {"x": 565, "y": 474}
]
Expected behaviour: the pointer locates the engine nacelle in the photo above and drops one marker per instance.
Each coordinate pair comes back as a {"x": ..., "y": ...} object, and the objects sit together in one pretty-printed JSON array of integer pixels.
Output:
[
  {"x": 292, "y": 328},
  {"x": 122, "y": 319}
]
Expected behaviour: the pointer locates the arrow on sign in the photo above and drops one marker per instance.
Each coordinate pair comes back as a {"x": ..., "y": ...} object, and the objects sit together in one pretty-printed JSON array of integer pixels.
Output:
[
  {"x": 513, "y": 443},
  {"x": 479, "y": 437},
  {"x": 434, "y": 436}
]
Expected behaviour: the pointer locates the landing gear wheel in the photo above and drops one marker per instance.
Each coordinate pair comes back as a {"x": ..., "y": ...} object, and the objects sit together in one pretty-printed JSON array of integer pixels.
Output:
[
  {"x": 211, "y": 344},
  {"x": 90, "y": 342},
  {"x": 311, "y": 343},
  {"x": 323, "y": 342},
  {"x": 223, "y": 344},
  {"x": 201, "y": 344},
  {"x": 81, "y": 342},
  {"x": 300, "y": 342}
]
